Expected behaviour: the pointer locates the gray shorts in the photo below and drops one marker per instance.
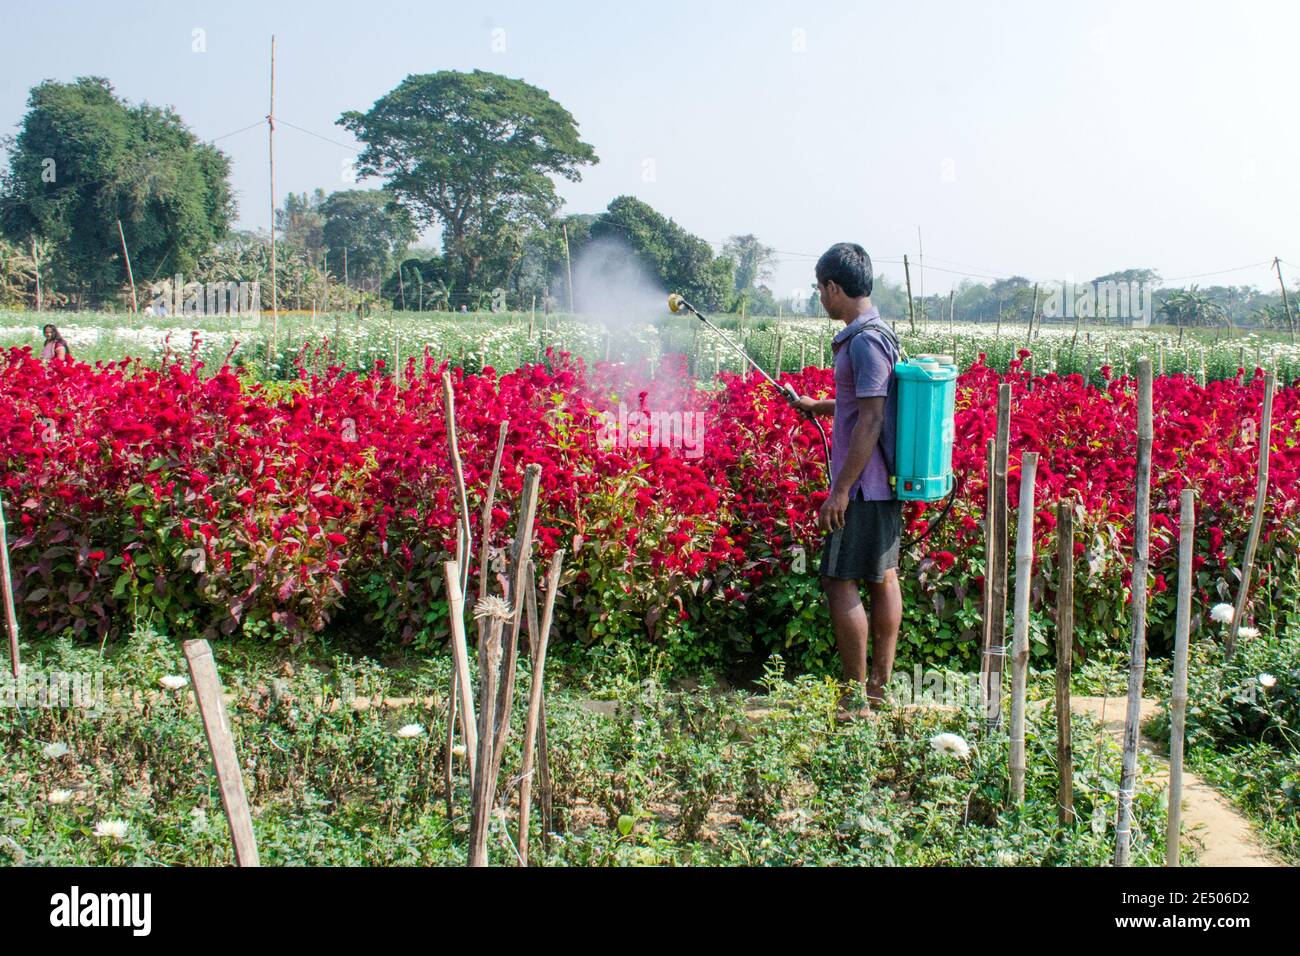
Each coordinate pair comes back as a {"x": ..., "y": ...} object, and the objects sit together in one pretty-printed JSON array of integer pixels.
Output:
[{"x": 867, "y": 545}]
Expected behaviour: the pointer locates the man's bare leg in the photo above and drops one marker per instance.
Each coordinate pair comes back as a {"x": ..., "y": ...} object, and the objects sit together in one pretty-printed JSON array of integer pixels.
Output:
[
  {"x": 886, "y": 618},
  {"x": 849, "y": 621}
]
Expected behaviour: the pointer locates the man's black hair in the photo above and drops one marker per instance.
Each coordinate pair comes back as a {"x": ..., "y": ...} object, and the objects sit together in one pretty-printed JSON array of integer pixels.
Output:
[{"x": 848, "y": 266}]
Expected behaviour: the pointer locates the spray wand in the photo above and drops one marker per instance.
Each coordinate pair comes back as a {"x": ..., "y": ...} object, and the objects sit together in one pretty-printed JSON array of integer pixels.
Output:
[{"x": 677, "y": 304}]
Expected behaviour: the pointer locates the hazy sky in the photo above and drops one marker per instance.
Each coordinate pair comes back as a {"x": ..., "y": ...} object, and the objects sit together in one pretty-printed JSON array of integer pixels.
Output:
[{"x": 1041, "y": 139}]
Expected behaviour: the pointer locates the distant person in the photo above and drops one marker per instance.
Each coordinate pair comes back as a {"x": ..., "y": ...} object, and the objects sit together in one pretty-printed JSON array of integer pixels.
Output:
[
  {"x": 55, "y": 346},
  {"x": 464, "y": 307}
]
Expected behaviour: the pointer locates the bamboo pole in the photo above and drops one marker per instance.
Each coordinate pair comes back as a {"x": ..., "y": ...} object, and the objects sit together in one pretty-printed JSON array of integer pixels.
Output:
[
  {"x": 1286, "y": 301},
  {"x": 538, "y": 643},
  {"x": 135, "y": 305},
  {"x": 997, "y": 650},
  {"x": 1033, "y": 307},
  {"x": 460, "y": 662},
  {"x": 1064, "y": 655},
  {"x": 462, "y": 502},
  {"x": 488, "y": 501},
  {"x": 489, "y": 658},
  {"x": 1178, "y": 693},
  {"x": 520, "y": 557},
  {"x": 6, "y": 583},
  {"x": 1257, "y": 516},
  {"x": 990, "y": 559},
  {"x": 270, "y": 152},
  {"x": 1137, "y": 646},
  {"x": 1020, "y": 646},
  {"x": 911, "y": 314}
]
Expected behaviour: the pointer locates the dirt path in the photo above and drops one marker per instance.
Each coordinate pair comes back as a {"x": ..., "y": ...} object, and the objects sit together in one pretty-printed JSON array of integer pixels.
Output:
[{"x": 1211, "y": 824}]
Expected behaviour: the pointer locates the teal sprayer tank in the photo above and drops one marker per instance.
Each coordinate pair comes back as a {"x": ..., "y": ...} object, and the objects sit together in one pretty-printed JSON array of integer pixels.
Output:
[{"x": 927, "y": 398}]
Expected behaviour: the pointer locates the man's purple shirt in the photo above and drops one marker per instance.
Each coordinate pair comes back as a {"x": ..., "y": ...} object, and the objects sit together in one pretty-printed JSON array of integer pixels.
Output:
[{"x": 863, "y": 369}]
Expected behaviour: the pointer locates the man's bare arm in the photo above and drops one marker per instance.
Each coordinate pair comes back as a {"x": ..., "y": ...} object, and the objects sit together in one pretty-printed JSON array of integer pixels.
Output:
[{"x": 862, "y": 442}]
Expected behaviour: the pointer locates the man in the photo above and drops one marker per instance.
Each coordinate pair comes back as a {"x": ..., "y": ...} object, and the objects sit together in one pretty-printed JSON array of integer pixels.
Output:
[{"x": 861, "y": 516}]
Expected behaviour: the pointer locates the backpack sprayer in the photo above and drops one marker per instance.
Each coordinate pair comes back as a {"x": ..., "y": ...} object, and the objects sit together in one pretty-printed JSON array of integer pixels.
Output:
[{"x": 924, "y": 432}]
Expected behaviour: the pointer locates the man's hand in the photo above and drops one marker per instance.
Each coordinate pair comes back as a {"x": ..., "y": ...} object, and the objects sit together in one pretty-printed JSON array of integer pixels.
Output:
[
  {"x": 811, "y": 406},
  {"x": 831, "y": 517}
]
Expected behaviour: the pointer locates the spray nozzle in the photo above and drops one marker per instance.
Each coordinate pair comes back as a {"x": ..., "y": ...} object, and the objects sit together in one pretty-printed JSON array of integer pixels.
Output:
[{"x": 675, "y": 303}]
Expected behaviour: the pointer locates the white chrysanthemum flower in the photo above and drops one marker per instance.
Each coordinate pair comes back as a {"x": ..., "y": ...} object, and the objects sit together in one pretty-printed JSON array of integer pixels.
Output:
[
  {"x": 1267, "y": 680},
  {"x": 410, "y": 730},
  {"x": 59, "y": 796},
  {"x": 55, "y": 750},
  {"x": 950, "y": 744},
  {"x": 1247, "y": 632},
  {"x": 458, "y": 751},
  {"x": 1222, "y": 613},
  {"x": 1005, "y": 858},
  {"x": 113, "y": 829},
  {"x": 174, "y": 681},
  {"x": 198, "y": 820}
]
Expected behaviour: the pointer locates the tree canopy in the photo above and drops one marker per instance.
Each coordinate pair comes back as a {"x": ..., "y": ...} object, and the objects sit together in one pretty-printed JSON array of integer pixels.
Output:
[
  {"x": 83, "y": 159},
  {"x": 473, "y": 153}
]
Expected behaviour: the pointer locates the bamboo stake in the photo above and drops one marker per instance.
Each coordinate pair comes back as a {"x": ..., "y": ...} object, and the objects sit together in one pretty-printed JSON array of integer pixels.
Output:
[
  {"x": 221, "y": 745},
  {"x": 990, "y": 559},
  {"x": 538, "y": 643},
  {"x": 460, "y": 660},
  {"x": 1020, "y": 647},
  {"x": 449, "y": 414},
  {"x": 1137, "y": 647},
  {"x": 520, "y": 558},
  {"x": 1257, "y": 517},
  {"x": 1064, "y": 653},
  {"x": 135, "y": 305},
  {"x": 489, "y": 658},
  {"x": 6, "y": 582},
  {"x": 488, "y": 502},
  {"x": 1178, "y": 694},
  {"x": 997, "y": 650},
  {"x": 1033, "y": 307},
  {"x": 911, "y": 315}
]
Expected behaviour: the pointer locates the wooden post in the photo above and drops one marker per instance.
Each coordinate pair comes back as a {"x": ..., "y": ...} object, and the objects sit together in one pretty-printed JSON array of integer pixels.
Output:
[
  {"x": 539, "y": 641},
  {"x": 135, "y": 305},
  {"x": 1020, "y": 647},
  {"x": 1137, "y": 646},
  {"x": 1064, "y": 654},
  {"x": 780, "y": 343},
  {"x": 911, "y": 314},
  {"x": 521, "y": 555},
  {"x": 216, "y": 724},
  {"x": 1257, "y": 517},
  {"x": 6, "y": 582},
  {"x": 489, "y": 661},
  {"x": 1178, "y": 693}
]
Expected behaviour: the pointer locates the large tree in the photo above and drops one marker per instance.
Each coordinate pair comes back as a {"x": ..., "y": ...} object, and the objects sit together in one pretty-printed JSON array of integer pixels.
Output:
[
  {"x": 84, "y": 159},
  {"x": 473, "y": 153},
  {"x": 754, "y": 261},
  {"x": 683, "y": 263},
  {"x": 370, "y": 227}
]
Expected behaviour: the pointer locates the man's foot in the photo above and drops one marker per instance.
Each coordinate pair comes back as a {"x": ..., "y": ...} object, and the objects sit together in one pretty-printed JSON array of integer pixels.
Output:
[{"x": 854, "y": 705}]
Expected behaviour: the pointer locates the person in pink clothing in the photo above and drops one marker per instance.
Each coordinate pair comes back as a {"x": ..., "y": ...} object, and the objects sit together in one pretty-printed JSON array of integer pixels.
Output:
[{"x": 55, "y": 347}]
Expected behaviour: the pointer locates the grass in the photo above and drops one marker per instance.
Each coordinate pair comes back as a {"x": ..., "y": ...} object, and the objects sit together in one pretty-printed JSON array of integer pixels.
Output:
[{"x": 656, "y": 775}]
